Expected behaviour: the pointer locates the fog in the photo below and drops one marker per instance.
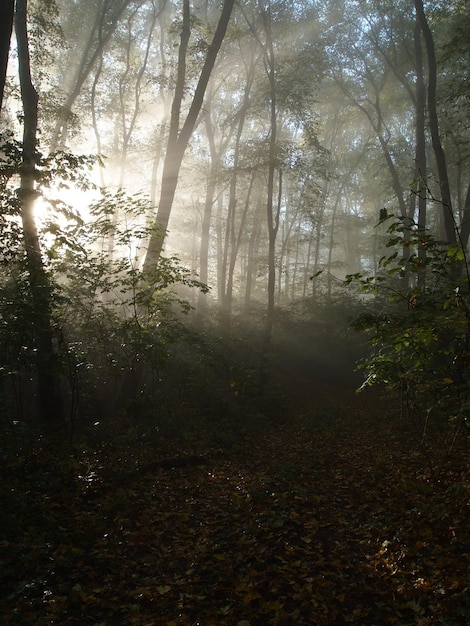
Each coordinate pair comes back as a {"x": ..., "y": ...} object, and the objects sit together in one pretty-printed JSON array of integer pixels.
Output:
[
  {"x": 234, "y": 312},
  {"x": 252, "y": 148}
]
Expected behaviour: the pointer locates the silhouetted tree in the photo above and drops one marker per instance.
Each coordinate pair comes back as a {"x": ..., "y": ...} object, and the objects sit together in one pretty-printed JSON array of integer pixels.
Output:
[
  {"x": 7, "y": 10},
  {"x": 46, "y": 358}
]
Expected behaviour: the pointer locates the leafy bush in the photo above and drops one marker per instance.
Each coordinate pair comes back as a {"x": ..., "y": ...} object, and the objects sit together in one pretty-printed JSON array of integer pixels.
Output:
[
  {"x": 113, "y": 322},
  {"x": 418, "y": 325},
  {"x": 117, "y": 320}
]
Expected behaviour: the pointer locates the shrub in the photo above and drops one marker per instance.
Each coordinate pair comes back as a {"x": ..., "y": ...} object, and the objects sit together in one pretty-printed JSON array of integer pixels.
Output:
[{"x": 419, "y": 330}]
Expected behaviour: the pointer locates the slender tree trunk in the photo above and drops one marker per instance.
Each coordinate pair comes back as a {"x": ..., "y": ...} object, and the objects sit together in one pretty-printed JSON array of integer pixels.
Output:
[
  {"x": 284, "y": 251},
  {"x": 252, "y": 251},
  {"x": 48, "y": 395},
  {"x": 231, "y": 240},
  {"x": 177, "y": 143},
  {"x": 128, "y": 127},
  {"x": 316, "y": 260},
  {"x": 103, "y": 29},
  {"x": 298, "y": 244},
  {"x": 160, "y": 136},
  {"x": 94, "y": 116},
  {"x": 216, "y": 153},
  {"x": 420, "y": 153},
  {"x": 377, "y": 126},
  {"x": 307, "y": 273},
  {"x": 7, "y": 11},
  {"x": 272, "y": 213},
  {"x": 206, "y": 219},
  {"x": 234, "y": 254},
  {"x": 465, "y": 223},
  {"x": 221, "y": 261}
]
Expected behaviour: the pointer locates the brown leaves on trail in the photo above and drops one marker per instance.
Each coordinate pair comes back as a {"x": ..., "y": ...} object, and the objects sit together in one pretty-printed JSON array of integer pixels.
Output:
[{"x": 324, "y": 520}]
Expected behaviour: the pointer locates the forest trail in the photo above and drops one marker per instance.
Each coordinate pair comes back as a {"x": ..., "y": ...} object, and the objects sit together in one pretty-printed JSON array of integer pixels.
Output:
[{"x": 328, "y": 518}]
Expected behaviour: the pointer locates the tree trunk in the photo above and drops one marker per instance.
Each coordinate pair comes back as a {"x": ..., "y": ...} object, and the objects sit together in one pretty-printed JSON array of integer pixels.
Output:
[
  {"x": 177, "y": 143},
  {"x": 272, "y": 213},
  {"x": 7, "y": 11},
  {"x": 47, "y": 362},
  {"x": 253, "y": 244},
  {"x": 465, "y": 223},
  {"x": 206, "y": 218},
  {"x": 234, "y": 254},
  {"x": 448, "y": 214},
  {"x": 420, "y": 155},
  {"x": 231, "y": 240},
  {"x": 377, "y": 125},
  {"x": 103, "y": 28}
]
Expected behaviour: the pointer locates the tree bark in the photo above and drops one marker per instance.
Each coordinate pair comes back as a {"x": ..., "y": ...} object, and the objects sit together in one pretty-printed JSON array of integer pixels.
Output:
[{"x": 48, "y": 395}]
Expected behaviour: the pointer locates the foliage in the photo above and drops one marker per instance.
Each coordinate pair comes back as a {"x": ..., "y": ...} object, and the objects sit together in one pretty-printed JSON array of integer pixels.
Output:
[
  {"x": 419, "y": 329},
  {"x": 97, "y": 290},
  {"x": 102, "y": 291}
]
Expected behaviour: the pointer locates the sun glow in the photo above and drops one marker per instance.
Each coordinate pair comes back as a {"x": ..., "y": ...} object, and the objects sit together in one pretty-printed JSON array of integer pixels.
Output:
[
  {"x": 58, "y": 208},
  {"x": 60, "y": 205}
]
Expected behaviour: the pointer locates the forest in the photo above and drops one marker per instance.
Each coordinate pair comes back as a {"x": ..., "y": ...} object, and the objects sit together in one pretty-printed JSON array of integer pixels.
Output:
[{"x": 235, "y": 312}]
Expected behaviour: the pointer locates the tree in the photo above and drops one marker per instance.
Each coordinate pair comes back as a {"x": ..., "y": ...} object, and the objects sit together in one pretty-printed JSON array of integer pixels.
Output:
[
  {"x": 7, "y": 11},
  {"x": 46, "y": 359},
  {"x": 179, "y": 139},
  {"x": 235, "y": 228},
  {"x": 273, "y": 207},
  {"x": 216, "y": 151},
  {"x": 446, "y": 199},
  {"x": 103, "y": 24},
  {"x": 452, "y": 23},
  {"x": 366, "y": 74}
]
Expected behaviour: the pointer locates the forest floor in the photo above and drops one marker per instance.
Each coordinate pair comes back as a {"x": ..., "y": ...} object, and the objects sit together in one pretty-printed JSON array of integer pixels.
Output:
[{"x": 330, "y": 516}]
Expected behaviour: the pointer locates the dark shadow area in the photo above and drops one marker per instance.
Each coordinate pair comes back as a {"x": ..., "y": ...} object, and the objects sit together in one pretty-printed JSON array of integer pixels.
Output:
[{"x": 297, "y": 503}]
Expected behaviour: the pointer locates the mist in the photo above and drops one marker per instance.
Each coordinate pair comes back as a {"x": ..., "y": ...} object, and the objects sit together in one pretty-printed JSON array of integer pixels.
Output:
[{"x": 234, "y": 311}]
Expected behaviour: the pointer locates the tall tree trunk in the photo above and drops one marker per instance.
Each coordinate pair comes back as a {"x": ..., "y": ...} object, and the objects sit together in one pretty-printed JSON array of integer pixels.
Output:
[
  {"x": 272, "y": 213},
  {"x": 316, "y": 259},
  {"x": 227, "y": 311},
  {"x": 465, "y": 220},
  {"x": 231, "y": 240},
  {"x": 206, "y": 218},
  {"x": 253, "y": 244},
  {"x": 48, "y": 394},
  {"x": 128, "y": 127},
  {"x": 296, "y": 268},
  {"x": 221, "y": 261},
  {"x": 448, "y": 214},
  {"x": 7, "y": 11},
  {"x": 177, "y": 143},
  {"x": 420, "y": 154}
]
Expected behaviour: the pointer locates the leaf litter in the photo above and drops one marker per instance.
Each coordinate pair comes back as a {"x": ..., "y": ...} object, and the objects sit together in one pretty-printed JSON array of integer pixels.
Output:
[{"x": 318, "y": 519}]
